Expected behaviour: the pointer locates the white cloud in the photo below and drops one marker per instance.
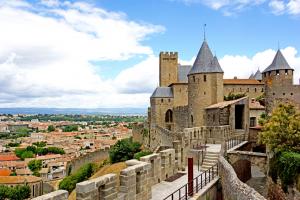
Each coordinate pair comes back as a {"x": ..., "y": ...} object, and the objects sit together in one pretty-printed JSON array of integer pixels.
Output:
[
  {"x": 277, "y": 7},
  {"x": 231, "y": 7},
  {"x": 294, "y": 7},
  {"x": 242, "y": 66},
  {"x": 47, "y": 51},
  {"x": 227, "y": 7}
]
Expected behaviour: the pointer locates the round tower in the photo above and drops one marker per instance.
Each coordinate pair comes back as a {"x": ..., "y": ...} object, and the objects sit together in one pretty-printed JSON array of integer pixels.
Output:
[
  {"x": 205, "y": 85},
  {"x": 278, "y": 80}
]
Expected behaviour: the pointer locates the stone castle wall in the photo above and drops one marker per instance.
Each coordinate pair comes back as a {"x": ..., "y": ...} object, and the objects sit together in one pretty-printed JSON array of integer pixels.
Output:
[
  {"x": 135, "y": 181},
  {"x": 180, "y": 118},
  {"x": 208, "y": 134},
  {"x": 252, "y": 91},
  {"x": 168, "y": 72},
  {"x": 203, "y": 90},
  {"x": 97, "y": 155},
  {"x": 233, "y": 188}
]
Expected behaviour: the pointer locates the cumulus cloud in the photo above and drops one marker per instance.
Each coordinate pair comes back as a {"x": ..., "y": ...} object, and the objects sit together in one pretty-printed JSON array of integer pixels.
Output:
[
  {"x": 242, "y": 66},
  {"x": 231, "y": 7},
  {"x": 48, "y": 51}
]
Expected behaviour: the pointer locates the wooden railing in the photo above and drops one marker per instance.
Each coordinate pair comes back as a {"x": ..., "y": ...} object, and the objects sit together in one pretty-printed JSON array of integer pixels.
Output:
[{"x": 184, "y": 193}]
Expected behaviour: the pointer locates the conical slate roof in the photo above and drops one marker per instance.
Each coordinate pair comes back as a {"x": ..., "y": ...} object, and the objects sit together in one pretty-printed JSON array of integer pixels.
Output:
[
  {"x": 257, "y": 75},
  {"x": 251, "y": 76},
  {"x": 278, "y": 63},
  {"x": 205, "y": 61}
]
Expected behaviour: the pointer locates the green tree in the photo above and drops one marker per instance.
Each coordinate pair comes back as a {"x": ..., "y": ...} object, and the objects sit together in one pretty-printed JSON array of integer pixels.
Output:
[
  {"x": 23, "y": 130},
  {"x": 35, "y": 166},
  {"x": 40, "y": 144},
  {"x": 14, "y": 193},
  {"x": 70, "y": 128},
  {"x": 124, "y": 150},
  {"x": 140, "y": 154},
  {"x": 281, "y": 132},
  {"x": 27, "y": 154},
  {"x": 69, "y": 182},
  {"x": 51, "y": 128}
]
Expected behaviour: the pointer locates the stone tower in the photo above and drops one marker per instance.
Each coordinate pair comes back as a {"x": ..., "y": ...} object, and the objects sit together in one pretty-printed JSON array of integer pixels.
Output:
[
  {"x": 168, "y": 68},
  {"x": 205, "y": 85},
  {"x": 278, "y": 79}
]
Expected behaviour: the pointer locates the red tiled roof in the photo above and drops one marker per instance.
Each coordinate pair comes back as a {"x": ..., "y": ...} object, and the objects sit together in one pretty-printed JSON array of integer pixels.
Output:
[
  {"x": 8, "y": 157},
  {"x": 5, "y": 172},
  {"x": 241, "y": 82}
]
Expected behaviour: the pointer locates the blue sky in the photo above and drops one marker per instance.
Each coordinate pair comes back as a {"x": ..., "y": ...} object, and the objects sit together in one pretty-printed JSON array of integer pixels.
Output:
[{"x": 104, "y": 53}]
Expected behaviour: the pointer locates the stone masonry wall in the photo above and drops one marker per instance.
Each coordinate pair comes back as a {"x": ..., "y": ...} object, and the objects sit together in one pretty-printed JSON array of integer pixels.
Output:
[
  {"x": 57, "y": 195},
  {"x": 233, "y": 188},
  {"x": 103, "y": 188}
]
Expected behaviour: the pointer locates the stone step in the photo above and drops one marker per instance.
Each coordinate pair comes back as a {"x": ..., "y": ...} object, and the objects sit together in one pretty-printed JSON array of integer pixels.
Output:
[{"x": 210, "y": 161}]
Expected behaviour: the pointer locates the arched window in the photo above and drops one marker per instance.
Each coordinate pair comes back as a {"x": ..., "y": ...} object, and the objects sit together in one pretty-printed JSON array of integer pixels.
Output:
[{"x": 169, "y": 116}]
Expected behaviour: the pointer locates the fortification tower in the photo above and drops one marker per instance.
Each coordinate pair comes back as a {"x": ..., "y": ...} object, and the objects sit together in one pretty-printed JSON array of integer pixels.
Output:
[
  {"x": 168, "y": 68},
  {"x": 205, "y": 85},
  {"x": 278, "y": 79}
]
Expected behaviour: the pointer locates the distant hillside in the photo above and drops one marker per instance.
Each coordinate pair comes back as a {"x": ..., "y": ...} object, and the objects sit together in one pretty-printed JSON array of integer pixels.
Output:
[{"x": 70, "y": 111}]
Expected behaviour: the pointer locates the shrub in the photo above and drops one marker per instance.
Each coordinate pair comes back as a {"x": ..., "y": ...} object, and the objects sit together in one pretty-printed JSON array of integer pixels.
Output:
[
  {"x": 69, "y": 182},
  {"x": 232, "y": 96},
  {"x": 141, "y": 154},
  {"x": 51, "y": 128},
  {"x": 35, "y": 166},
  {"x": 14, "y": 193},
  {"x": 124, "y": 150}
]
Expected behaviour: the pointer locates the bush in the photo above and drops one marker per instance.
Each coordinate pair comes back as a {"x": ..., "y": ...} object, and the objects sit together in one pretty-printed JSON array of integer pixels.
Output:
[
  {"x": 51, "y": 128},
  {"x": 232, "y": 96},
  {"x": 69, "y": 182},
  {"x": 70, "y": 128},
  {"x": 141, "y": 154},
  {"x": 35, "y": 166},
  {"x": 14, "y": 193},
  {"x": 123, "y": 150},
  {"x": 40, "y": 144},
  {"x": 286, "y": 166},
  {"x": 55, "y": 150}
]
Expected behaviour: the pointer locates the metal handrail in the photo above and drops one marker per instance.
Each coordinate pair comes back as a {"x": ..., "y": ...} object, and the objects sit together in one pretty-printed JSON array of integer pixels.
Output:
[{"x": 198, "y": 183}]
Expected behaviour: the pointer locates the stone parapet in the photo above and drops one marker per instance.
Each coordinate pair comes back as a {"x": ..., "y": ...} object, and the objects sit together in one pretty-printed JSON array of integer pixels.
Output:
[
  {"x": 233, "y": 188},
  {"x": 56, "y": 195},
  {"x": 103, "y": 187}
]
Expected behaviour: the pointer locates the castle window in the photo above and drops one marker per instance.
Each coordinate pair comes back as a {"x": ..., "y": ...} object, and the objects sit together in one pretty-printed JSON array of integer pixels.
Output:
[
  {"x": 273, "y": 93},
  {"x": 240, "y": 89},
  {"x": 269, "y": 73},
  {"x": 283, "y": 94},
  {"x": 192, "y": 119},
  {"x": 277, "y": 72},
  {"x": 204, "y": 78},
  {"x": 169, "y": 100},
  {"x": 247, "y": 89},
  {"x": 262, "y": 89},
  {"x": 169, "y": 116},
  {"x": 291, "y": 94},
  {"x": 264, "y": 74},
  {"x": 214, "y": 117},
  {"x": 162, "y": 100},
  {"x": 194, "y": 79},
  {"x": 254, "y": 89},
  {"x": 286, "y": 72},
  {"x": 204, "y": 93}
]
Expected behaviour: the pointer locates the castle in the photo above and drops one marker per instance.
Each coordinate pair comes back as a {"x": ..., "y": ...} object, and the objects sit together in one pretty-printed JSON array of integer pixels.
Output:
[{"x": 193, "y": 96}]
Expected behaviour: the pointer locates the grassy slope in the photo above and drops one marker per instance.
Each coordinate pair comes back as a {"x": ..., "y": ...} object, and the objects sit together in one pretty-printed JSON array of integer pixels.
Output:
[{"x": 114, "y": 168}]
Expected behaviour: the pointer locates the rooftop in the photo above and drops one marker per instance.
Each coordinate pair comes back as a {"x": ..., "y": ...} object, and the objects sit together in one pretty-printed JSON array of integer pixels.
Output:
[
  {"x": 242, "y": 82},
  {"x": 224, "y": 104},
  {"x": 162, "y": 92},
  {"x": 278, "y": 63},
  {"x": 18, "y": 179},
  {"x": 205, "y": 61}
]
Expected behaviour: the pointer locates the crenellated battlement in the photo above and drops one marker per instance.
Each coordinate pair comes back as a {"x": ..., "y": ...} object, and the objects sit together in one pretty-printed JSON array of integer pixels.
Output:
[{"x": 168, "y": 54}]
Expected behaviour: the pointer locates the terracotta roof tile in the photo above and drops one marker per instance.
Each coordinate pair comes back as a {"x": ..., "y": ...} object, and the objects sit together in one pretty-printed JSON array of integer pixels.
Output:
[
  {"x": 5, "y": 172},
  {"x": 18, "y": 179},
  {"x": 241, "y": 82},
  {"x": 8, "y": 157}
]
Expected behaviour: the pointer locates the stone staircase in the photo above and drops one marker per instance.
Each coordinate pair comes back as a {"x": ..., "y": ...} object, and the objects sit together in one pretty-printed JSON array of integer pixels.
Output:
[{"x": 210, "y": 159}]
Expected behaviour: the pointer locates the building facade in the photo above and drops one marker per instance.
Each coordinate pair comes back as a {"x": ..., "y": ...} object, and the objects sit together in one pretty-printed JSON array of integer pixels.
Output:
[{"x": 193, "y": 96}]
